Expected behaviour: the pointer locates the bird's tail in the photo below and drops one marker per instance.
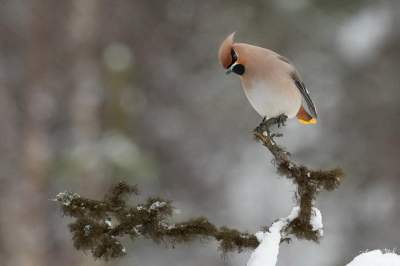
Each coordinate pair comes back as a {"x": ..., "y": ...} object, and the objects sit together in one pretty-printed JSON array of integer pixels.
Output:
[{"x": 305, "y": 118}]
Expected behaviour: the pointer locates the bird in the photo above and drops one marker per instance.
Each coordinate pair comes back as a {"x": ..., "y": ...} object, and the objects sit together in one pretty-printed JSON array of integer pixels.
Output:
[{"x": 270, "y": 82}]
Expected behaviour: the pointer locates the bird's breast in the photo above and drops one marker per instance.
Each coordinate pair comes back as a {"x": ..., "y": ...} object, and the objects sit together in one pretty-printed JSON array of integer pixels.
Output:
[{"x": 271, "y": 99}]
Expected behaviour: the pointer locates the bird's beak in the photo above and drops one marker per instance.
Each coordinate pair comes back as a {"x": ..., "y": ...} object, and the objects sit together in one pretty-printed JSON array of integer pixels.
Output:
[{"x": 230, "y": 70}]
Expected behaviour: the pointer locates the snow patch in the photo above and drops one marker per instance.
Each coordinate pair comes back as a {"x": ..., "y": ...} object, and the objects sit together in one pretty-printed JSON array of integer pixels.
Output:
[
  {"x": 66, "y": 197},
  {"x": 266, "y": 254},
  {"x": 86, "y": 229},
  {"x": 108, "y": 222},
  {"x": 376, "y": 258},
  {"x": 157, "y": 205},
  {"x": 316, "y": 221}
]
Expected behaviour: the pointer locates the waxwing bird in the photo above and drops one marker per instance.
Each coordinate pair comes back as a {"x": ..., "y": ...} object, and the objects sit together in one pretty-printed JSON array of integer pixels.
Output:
[{"x": 272, "y": 85}]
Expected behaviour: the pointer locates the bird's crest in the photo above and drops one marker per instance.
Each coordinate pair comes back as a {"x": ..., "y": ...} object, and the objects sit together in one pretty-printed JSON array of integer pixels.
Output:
[{"x": 225, "y": 51}]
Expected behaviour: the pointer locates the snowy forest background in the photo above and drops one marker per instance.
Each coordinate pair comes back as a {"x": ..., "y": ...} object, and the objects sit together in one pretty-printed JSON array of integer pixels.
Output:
[{"x": 93, "y": 92}]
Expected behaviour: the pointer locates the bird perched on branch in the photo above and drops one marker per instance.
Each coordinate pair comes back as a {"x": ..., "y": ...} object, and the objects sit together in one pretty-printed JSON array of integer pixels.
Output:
[{"x": 271, "y": 84}]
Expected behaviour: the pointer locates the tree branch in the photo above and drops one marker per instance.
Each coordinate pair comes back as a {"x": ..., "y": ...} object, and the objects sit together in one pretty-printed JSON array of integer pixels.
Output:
[
  {"x": 309, "y": 182},
  {"x": 100, "y": 224}
]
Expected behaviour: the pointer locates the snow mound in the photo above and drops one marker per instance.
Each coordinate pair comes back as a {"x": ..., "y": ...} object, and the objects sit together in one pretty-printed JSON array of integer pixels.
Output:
[
  {"x": 376, "y": 258},
  {"x": 266, "y": 254},
  {"x": 315, "y": 220}
]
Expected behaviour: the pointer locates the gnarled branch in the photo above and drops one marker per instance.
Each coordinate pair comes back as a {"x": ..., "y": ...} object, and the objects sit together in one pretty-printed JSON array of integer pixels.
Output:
[
  {"x": 100, "y": 224},
  {"x": 309, "y": 182}
]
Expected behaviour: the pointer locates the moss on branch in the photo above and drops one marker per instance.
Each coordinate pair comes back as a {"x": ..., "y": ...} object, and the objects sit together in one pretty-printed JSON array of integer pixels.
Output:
[
  {"x": 309, "y": 182},
  {"x": 100, "y": 224}
]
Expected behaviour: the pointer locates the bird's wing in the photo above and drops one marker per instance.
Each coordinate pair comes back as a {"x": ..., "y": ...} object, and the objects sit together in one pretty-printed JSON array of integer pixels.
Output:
[{"x": 304, "y": 92}]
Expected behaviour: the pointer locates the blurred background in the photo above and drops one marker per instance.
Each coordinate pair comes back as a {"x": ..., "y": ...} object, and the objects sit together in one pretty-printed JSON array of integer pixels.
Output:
[{"x": 93, "y": 92}]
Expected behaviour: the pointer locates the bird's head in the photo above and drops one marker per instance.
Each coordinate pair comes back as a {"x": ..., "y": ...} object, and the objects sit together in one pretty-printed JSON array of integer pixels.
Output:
[{"x": 230, "y": 58}]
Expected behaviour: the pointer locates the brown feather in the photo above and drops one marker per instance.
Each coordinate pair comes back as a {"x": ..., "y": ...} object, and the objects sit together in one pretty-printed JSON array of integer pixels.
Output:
[{"x": 224, "y": 53}]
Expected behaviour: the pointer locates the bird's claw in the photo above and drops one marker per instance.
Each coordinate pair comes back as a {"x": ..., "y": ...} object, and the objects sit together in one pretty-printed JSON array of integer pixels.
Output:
[
  {"x": 266, "y": 124},
  {"x": 281, "y": 119},
  {"x": 276, "y": 135}
]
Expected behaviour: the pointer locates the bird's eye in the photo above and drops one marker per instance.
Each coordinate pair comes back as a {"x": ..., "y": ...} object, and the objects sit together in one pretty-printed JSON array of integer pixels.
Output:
[{"x": 239, "y": 69}]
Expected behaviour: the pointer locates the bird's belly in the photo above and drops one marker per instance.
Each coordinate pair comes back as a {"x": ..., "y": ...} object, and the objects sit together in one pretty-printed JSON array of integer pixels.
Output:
[{"x": 271, "y": 101}]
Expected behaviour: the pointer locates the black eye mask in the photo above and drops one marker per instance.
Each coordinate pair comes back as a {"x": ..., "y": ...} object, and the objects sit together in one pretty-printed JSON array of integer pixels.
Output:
[
  {"x": 234, "y": 58},
  {"x": 238, "y": 69}
]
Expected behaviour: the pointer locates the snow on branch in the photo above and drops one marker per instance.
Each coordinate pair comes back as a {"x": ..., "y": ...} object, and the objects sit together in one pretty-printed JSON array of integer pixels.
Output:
[
  {"x": 100, "y": 224},
  {"x": 266, "y": 254}
]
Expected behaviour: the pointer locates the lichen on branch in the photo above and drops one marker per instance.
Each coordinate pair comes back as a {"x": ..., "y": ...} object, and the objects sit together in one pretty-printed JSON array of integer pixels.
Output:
[
  {"x": 100, "y": 224},
  {"x": 309, "y": 182}
]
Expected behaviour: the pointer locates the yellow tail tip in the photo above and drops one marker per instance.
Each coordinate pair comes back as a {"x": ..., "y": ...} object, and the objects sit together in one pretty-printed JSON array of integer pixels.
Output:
[{"x": 312, "y": 121}]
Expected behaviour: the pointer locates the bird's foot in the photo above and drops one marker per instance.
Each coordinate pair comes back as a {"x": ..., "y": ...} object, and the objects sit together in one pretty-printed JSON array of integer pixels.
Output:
[
  {"x": 281, "y": 119},
  {"x": 262, "y": 127},
  {"x": 266, "y": 124},
  {"x": 276, "y": 135}
]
